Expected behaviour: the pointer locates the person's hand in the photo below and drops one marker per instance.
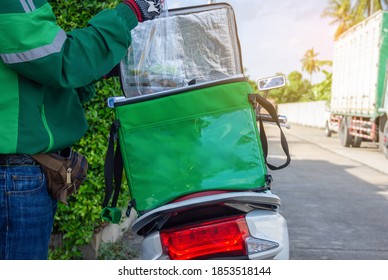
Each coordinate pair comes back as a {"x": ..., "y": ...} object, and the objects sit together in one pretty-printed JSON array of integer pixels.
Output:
[{"x": 145, "y": 9}]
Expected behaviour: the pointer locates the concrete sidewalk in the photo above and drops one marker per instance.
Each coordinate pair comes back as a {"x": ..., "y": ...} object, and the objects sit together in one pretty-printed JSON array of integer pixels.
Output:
[{"x": 368, "y": 154}]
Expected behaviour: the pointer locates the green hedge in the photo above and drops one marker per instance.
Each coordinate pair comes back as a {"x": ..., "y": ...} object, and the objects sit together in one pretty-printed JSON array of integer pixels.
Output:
[{"x": 81, "y": 218}]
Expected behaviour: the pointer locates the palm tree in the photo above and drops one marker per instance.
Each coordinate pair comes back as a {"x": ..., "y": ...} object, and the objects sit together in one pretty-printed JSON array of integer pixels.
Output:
[
  {"x": 341, "y": 12},
  {"x": 365, "y": 8},
  {"x": 346, "y": 15},
  {"x": 311, "y": 64}
]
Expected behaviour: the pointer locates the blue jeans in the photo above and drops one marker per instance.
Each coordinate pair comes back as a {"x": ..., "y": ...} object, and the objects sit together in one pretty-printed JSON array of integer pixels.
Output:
[{"x": 26, "y": 213}]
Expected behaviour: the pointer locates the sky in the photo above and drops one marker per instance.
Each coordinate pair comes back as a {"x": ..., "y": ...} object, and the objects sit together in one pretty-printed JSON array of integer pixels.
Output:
[{"x": 275, "y": 34}]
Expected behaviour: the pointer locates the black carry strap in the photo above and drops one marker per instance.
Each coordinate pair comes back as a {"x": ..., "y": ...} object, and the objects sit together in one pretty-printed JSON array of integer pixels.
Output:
[
  {"x": 113, "y": 172},
  {"x": 258, "y": 99}
]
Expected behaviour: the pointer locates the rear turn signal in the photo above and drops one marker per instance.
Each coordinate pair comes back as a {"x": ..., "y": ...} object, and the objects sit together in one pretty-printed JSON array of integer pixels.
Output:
[{"x": 217, "y": 238}]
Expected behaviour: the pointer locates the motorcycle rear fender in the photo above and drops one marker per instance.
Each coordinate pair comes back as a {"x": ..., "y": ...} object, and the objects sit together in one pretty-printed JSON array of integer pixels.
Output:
[{"x": 263, "y": 224}]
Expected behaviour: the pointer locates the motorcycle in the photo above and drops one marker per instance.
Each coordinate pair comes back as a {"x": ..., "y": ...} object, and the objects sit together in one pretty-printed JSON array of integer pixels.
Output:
[
  {"x": 197, "y": 174},
  {"x": 216, "y": 225}
]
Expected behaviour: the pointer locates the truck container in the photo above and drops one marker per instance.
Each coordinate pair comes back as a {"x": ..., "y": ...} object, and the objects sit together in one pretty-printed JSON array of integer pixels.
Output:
[{"x": 358, "y": 108}]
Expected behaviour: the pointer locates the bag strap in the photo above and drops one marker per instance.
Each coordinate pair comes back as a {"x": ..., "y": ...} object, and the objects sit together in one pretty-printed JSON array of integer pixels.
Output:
[
  {"x": 257, "y": 98},
  {"x": 113, "y": 173},
  {"x": 48, "y": 161}
]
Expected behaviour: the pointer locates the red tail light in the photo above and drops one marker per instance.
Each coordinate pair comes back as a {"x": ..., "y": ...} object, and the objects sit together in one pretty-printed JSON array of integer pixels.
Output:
[{"x": 217, "y": 238}]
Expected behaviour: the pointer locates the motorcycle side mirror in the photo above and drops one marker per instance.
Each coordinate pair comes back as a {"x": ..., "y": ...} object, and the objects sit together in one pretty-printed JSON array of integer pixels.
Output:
[{"x": 271, "y": 83}]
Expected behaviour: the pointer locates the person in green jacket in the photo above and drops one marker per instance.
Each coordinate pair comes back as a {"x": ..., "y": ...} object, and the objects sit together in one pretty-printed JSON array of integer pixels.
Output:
[{"x": 45, "y": 76}]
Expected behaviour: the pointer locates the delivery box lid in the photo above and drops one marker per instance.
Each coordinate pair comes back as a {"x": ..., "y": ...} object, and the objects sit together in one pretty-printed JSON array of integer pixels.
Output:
[{"x": 202, "y": 41}]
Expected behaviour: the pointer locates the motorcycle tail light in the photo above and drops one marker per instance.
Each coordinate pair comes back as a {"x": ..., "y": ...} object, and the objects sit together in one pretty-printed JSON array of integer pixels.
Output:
[{"x": 218, "y": 238}]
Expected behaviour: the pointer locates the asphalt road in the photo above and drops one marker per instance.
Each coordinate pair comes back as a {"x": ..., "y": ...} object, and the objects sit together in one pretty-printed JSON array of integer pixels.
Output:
[{"x": 335, "y": 199}]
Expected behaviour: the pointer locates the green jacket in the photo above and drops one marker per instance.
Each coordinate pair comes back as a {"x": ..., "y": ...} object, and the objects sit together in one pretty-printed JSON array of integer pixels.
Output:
[{"x": 45, "y": 73}]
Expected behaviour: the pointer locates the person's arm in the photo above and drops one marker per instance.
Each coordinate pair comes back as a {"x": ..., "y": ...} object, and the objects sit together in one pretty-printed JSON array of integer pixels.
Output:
[{"x": 32, "y": 44}]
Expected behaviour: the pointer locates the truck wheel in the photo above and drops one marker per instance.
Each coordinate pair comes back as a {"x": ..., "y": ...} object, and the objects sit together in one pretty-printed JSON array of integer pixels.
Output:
[
  {"x": 327, "y": 130},
  {"x": 385, "y": 140},
  {"x": 356, "y": 142},
  {"x": 345, "y": 138},
  {"x": 383, "y": 122}
]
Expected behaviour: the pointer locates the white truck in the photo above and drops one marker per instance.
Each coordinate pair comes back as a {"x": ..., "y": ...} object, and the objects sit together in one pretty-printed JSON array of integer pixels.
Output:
[{"x": 359, "y": 98}]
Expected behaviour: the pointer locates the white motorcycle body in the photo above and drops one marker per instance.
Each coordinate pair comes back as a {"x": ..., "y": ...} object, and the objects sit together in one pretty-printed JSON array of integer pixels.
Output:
[{"x": 204, "y": 227}]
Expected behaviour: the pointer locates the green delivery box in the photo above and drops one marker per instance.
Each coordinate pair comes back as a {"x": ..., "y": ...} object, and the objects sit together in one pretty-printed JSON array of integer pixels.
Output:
[{"x": 191, "y": 141}]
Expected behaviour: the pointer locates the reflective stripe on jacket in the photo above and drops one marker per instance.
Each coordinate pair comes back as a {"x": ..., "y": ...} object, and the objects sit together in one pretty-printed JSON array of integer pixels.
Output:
[{"x": 42, "y": 68}]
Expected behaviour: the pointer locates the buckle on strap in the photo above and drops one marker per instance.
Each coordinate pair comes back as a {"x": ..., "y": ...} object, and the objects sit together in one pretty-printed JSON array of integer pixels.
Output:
[{"x": 111, "y": 214}]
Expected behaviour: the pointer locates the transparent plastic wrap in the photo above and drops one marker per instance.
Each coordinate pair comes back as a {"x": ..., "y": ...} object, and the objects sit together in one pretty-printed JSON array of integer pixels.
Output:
[
  {"x": 182, "y": 47},
  {"x": 152, "y": 60}
]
